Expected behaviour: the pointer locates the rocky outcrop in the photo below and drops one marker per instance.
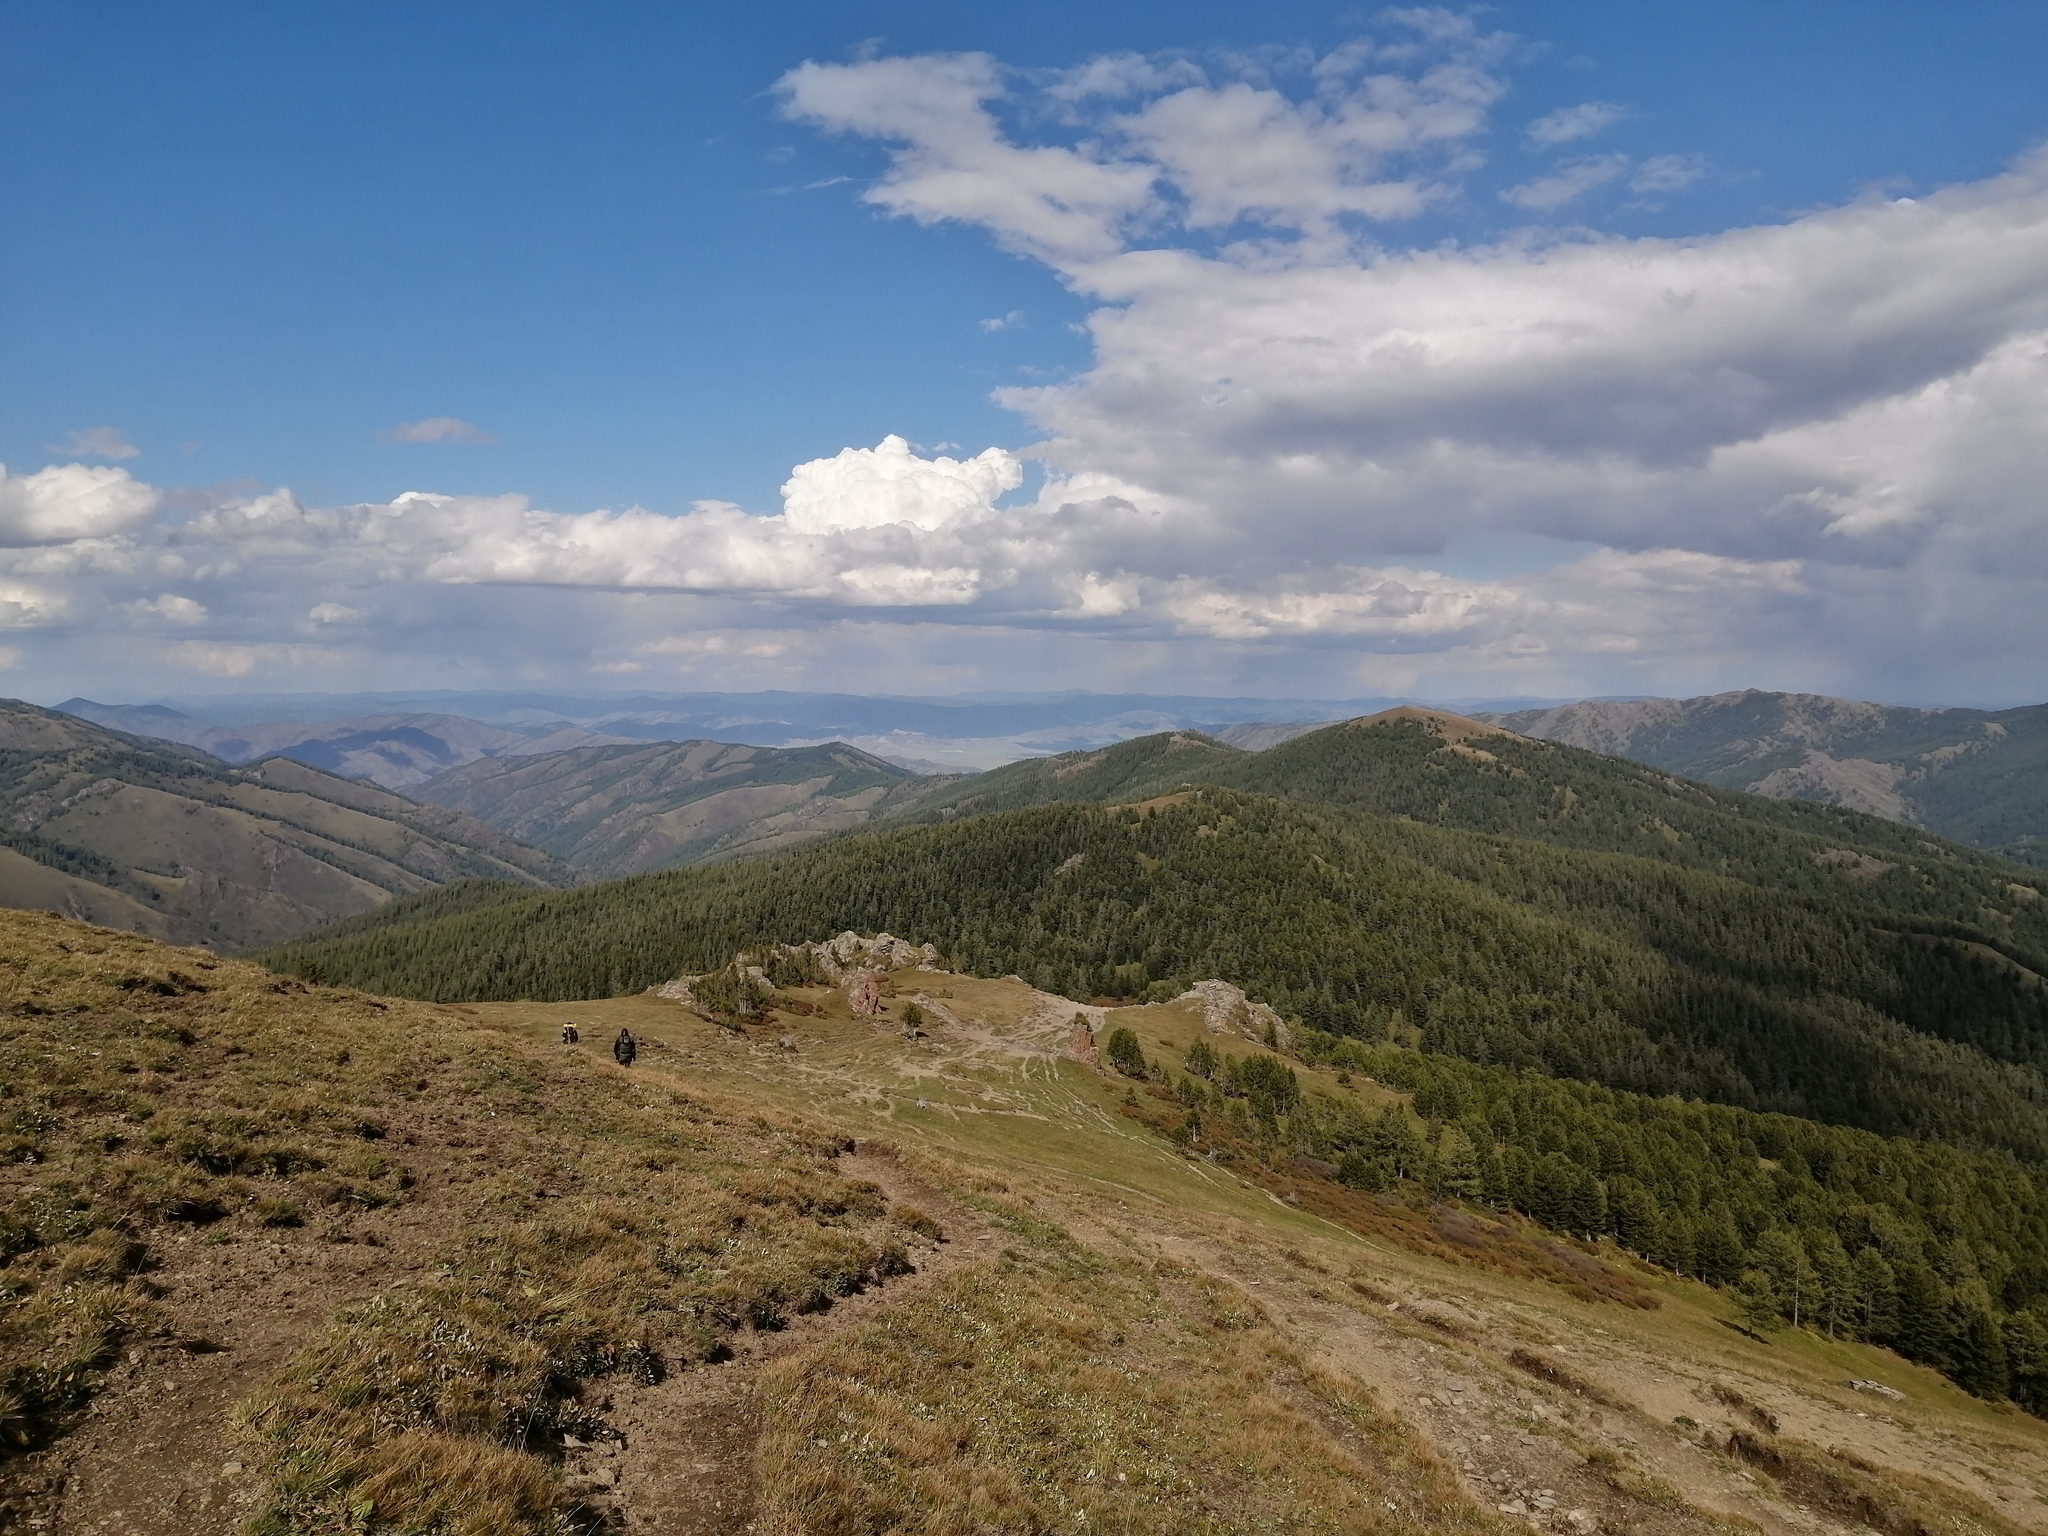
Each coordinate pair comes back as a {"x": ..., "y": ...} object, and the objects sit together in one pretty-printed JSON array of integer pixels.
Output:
[
  {"x": 863, "y": 990},
  {"x": 1226, "y": 1010},
  {"x": 1855, "y": 783}
]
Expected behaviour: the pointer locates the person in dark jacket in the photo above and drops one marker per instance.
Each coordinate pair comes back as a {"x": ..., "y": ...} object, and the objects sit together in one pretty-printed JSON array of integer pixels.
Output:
[
  {"x": 625, "y": 1048},
  {"x": 570, "y": 1034}
]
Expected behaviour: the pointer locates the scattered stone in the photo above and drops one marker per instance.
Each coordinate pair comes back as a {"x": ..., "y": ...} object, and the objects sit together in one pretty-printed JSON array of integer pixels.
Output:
[
  {"x": 1879, "y": 1388},
  {"x": 231, "y": 1469}
]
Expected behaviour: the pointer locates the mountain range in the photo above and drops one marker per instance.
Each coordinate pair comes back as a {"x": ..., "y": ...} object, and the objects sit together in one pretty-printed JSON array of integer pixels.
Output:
[
  {"x": 394, "y": 750},
  {"x": 927, "y": 735},
  {"x": 163, "y": 840},
  {"x": 1980, "y": 776},
  {"x": 619, "y": 810}
]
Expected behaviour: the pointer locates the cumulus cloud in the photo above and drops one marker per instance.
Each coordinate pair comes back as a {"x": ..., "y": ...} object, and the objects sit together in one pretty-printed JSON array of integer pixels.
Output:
[
  {"x": 440, "y": 429},
  {"x": 875, "y": 487},
  {"x": 169, "y": 608},
  {"x": 1569, "y": 123},
  {"x": 29, "y": 607},
  {"x": 97, "y": 443},
  {"x": 1007, "y": 322},
  {"x": 333, "y": 613},
  {"x": 71, "y": 501}
]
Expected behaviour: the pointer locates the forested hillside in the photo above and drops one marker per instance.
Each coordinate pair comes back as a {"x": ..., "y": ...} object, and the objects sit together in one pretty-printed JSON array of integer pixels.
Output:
[
  {"x": 1978, "y": 775},
  {"x": 1869, "y": 1001}
]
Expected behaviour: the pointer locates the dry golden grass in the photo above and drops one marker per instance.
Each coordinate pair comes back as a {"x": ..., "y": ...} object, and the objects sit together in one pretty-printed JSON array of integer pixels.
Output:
[
  {"x": 596, "y": 1223},
  {"x": 1054, "y": 1390}
]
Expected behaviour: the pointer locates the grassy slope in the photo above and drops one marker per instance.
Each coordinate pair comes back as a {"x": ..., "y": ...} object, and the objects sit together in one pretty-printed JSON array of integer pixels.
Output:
[
  {"x": 163, "y": 840},
  {"x": 550, "y": 1239},
  {"x": 624, "y": 809},
  {"x": 1112, "y": 1335}
]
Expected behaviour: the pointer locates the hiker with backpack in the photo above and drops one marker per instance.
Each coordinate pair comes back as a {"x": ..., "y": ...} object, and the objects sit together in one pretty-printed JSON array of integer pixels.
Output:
[{"x": 625, "y": 1048}]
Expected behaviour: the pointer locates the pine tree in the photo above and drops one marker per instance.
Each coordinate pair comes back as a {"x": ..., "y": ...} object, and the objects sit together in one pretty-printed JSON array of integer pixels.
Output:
[
  {"x": 1921, "y": 1327},
  {"x": 1977, "y": 1356},
  {"x": 1758, "y": 1302},
  {"x": 1876, "y": 1296}
]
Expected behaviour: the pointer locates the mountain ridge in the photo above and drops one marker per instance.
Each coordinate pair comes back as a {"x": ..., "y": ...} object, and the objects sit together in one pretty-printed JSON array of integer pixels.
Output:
[
  {"x": 1980, "y": 776},
  {"x": 625, "y": 809},
  {"x": 161, "y": 839}
]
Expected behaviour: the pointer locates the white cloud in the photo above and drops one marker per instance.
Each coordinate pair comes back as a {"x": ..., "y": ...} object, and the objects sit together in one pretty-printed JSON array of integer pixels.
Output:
[
  {"x": 169, "y": 609},
  {"x": 1667, "y": 173},
  {"x": 216, "y": 659},
  {"x": 10, "y": 657},
  {"x": 1204, "y": 147},
  {"x": 29, "y": 607},
  {"x": 71, "y": 501},
  {"x": 886, "y": 484},
  {"x": 97, "y": 443},
  {"x": 439, "y": 429},
  {"x": 1566, "y": 183},
  {"x": 1007, "y": 322},
  {"x": 333, "y": 613},
  {"x": 1579, "y": 122}
]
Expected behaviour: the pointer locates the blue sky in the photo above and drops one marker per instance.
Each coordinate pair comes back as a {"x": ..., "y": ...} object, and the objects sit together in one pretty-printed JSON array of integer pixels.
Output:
[{"x": 257, "y": 241}]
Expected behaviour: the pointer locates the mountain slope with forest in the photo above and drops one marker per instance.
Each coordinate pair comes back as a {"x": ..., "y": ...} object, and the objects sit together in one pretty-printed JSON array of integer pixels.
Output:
[
  {"x": 1898, "y": 993},
  {"x": 1980, "y": 776},
  {"x": 620, "y": 810},
  {"x": 163, "y": 840}
]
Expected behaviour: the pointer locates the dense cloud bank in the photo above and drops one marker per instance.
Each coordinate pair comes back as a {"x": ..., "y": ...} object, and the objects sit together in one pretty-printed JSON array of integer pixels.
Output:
[{"x": 1811, "y": 453}]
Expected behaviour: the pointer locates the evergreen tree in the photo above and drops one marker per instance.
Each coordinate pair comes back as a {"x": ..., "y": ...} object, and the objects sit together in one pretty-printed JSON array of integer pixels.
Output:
[
  {"x": 1717, "y": 1246},
  {"x": 1876, "y": 1297},
  {"x": 1757, "y": 1300},
  {"x": 1920, "y": 1328},
  {"x": 1977, "y": 1357},
  {"x": 1120, "y": 1048}
]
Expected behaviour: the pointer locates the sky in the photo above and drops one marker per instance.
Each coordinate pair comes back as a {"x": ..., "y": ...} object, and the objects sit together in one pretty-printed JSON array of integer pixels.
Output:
[{"x": 1534, "y": 349}]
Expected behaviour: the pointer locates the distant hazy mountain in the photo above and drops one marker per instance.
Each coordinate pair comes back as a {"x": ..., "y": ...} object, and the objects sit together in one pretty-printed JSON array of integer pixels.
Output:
[
  {"x": 959, "y": 733},
  {"x": 393, "y": 750},
  {"x": 621, "y": 810},
  {"x": 130, "y": 833},
  {"x": 1977, "y": 775},
  {"x": 1258, "y": 735}
]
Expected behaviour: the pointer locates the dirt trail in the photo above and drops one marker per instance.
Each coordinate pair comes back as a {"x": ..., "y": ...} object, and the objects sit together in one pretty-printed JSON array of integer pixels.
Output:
[
  {"x": 157, "y": 1450},
  {"x": 682, "y": 1462},
  {"x": 1595, "y": 1449}
]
